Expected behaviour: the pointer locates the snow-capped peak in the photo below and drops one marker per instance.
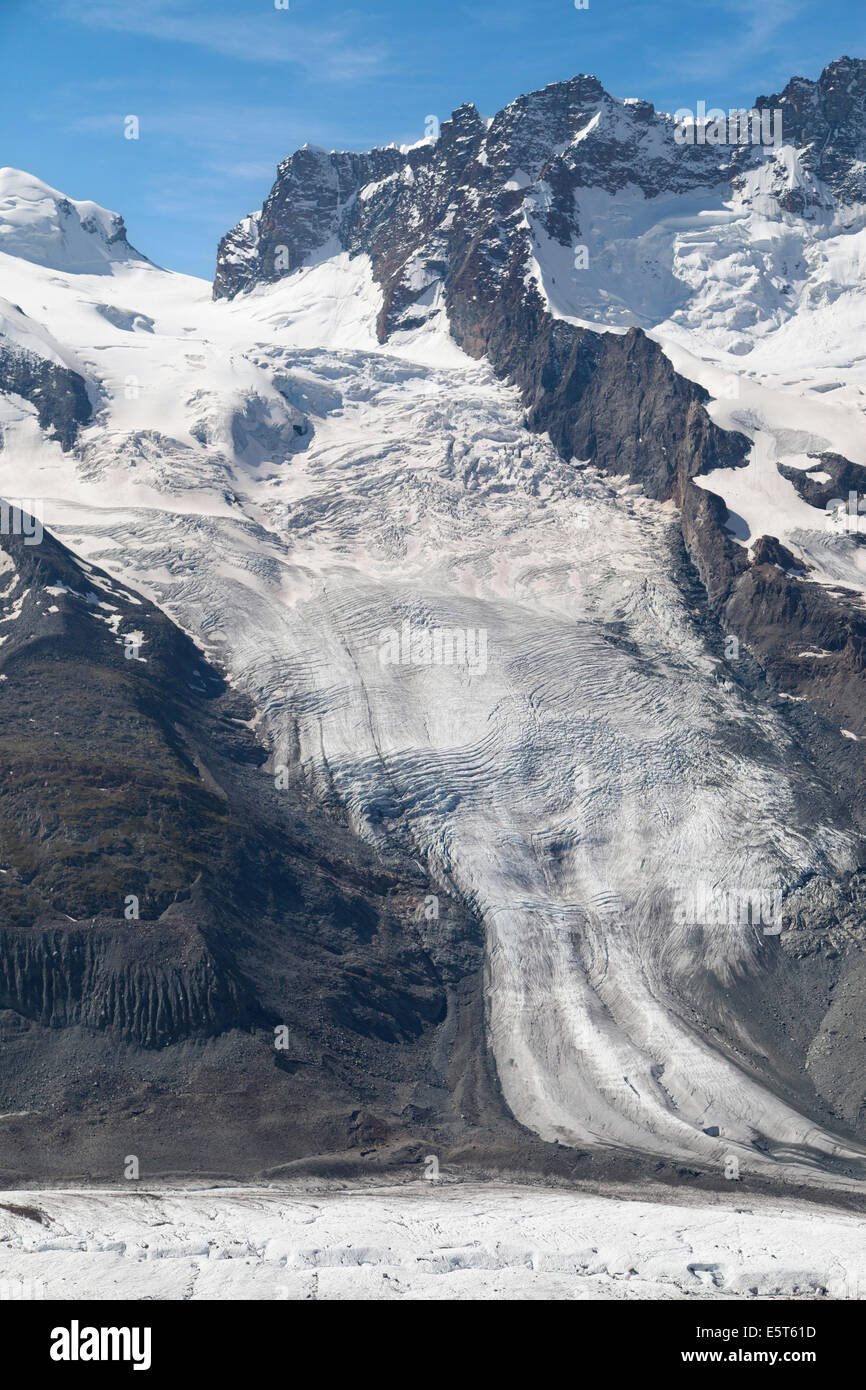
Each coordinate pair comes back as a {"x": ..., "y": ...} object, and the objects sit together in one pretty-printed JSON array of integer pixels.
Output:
[{"x": 40, "y": 224}]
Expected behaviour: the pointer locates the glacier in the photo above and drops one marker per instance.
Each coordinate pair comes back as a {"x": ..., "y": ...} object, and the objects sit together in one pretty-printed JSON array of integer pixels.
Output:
[
  {"x": 288, "y": 489},
  {"x": 428, "y": 1241}
]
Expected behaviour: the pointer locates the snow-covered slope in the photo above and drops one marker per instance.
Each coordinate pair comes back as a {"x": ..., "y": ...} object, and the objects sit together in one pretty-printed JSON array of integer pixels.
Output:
[{"x": 42, "y": 225}]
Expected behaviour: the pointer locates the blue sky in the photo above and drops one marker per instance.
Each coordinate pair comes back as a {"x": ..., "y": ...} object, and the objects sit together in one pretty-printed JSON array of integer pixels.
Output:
[{"x": 224, "y": 89}]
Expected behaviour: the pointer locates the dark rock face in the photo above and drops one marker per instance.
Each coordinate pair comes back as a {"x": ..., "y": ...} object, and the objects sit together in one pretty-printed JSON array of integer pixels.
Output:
[
  {"x": 811, "y": 640},
  {"x": 718, "y": 560},
  {"x": 59, "y": 395},
  {"x": 152, "y": 984},
  {"x": 304, "y": 210},
  {"x": 613, "y": 399},
  {"x": 844, "y": 477},
  {"x": 165, "y": 907},
  {"x": 768, "y": 551},
  {"x": 824, "y": 119}
]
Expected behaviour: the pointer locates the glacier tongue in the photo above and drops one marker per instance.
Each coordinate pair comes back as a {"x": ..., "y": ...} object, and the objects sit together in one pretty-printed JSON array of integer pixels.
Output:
[{"x": 579, "y": 766}]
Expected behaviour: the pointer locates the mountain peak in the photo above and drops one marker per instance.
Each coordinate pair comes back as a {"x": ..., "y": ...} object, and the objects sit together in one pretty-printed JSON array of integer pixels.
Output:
[
  {"x": 537, "y": 155},
  {"x": 466, "y": 114},
  {"x": 38, "y": 223}
]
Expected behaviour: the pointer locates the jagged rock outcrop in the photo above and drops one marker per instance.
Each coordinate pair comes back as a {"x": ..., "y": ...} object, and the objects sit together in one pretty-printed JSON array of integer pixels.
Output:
[
  {"x": 824, "y": 121},
  {"x": 151, "y": 984},
  {"x": 832, "y": 480},
  {"x": 303, "y": 212},
  {"x": 58, "y": 394}
]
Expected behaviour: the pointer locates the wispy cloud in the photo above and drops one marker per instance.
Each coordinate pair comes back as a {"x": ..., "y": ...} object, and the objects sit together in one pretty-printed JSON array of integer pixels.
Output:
[
  {"x": 755, "y": 32},
  {"x": 336, "y": 51}
]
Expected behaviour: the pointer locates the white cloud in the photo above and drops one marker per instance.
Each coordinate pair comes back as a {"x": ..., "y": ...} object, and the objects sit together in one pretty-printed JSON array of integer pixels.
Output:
[{"x": 334, "y": 52}]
